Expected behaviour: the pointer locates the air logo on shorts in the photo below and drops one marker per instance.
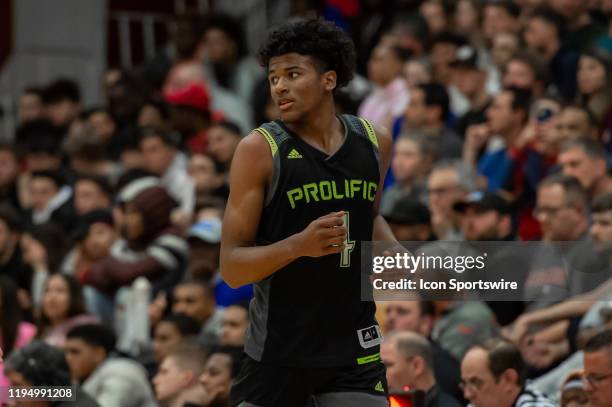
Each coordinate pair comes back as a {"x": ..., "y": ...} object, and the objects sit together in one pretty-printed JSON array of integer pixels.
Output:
[{"x": 369, "y": 337}]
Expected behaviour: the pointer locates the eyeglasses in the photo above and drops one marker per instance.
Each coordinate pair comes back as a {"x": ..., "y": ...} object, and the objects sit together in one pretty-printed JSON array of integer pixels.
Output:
[{"x": 593, "y": 380}]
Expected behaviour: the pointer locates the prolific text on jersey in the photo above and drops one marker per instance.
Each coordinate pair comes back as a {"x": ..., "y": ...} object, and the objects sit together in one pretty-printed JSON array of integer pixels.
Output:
[{"x": 330, "y": 190}]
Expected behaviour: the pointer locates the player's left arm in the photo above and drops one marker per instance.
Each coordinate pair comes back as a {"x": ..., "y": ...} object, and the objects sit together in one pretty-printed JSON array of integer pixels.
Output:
[{"x": 382, "y": 231}]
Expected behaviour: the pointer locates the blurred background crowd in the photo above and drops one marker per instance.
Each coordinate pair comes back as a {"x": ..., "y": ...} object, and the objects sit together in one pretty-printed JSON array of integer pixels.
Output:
[{"x": 111, "y": 210}]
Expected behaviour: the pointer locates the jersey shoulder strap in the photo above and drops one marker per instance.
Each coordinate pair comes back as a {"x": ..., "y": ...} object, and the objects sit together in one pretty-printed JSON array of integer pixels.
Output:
[
  {"x": 275, "y": 135},
  {"x": 364, "y": 128}
]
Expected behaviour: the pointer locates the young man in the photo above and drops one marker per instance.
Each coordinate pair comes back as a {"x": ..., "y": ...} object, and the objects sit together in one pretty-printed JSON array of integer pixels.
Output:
[{"x": 304, "y": 194}]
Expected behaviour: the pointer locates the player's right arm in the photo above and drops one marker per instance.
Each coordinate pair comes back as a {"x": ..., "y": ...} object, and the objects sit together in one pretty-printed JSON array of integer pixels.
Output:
[{"x": 241, "y": 261}]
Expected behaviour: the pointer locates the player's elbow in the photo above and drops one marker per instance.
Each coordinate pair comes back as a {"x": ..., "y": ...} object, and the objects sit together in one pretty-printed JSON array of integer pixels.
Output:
[{"x": 229, "y": 274}]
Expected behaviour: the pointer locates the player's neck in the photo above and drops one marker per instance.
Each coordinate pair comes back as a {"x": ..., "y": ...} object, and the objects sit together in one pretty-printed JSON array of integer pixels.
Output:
[{"x": 319, "y": 127}]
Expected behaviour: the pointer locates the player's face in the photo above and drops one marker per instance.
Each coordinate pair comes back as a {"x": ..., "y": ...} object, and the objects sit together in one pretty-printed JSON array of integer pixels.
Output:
[{"x": 297, "y": 85}]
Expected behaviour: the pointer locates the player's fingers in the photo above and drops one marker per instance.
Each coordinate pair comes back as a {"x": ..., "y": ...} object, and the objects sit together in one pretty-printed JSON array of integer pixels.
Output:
[
  {"x": 332, "y": 221},
  {"x": 339, "y": 214},
  {"x": 333, "y": 249},
  {"x": 334, "y": 241}
]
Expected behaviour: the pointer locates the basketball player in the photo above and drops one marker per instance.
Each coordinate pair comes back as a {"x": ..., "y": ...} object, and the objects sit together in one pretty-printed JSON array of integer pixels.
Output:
[{"x": 304, "y": 193}]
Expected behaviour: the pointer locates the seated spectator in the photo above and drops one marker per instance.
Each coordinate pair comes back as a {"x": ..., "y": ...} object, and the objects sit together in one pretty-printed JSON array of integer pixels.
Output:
[
  {"x": 10, "y": 186},
  {"x": 585, "y": 159},
  {"x": 410, "y": 221},
  {"x": 428, "y": 111},
  {"x": 178, "y": 378},
  {"x": 62, "y": 102},
  {"x": 595, "y": 84},
  {"x": 544, "y": 33},
  {"x": 448, "y": 183},
  {"x": 51, "y": 199},
  {"x": 41, "y": 142},
  {"x": 409, "y": 361},
  {"x": 190, "y": 115},
  {"x": 14, "y": 331},
  {"x": 391, "y": 95},
  {"x": 462, "y": 325},
  {"x": 63, "y": 308},
  {"x": 86, "y": 152},
  {"x": 493, "y": 375},
  {"x": 162, "y": 158},
  {"x": 92, "y": 192},
  {"x": 413, "y": 156},
  {"x": 234, "y": 324},
  {"x": 12, "y": 263},
  {"x": 196, "y": 298},
  {"x": 598, "y": 369},
  {"x": 30, "y": 106},
  {"x": 39, "y": 364},
  {"x": 111, "y": 381},
  {"x": 93, "y": 238},
  {"x": 171, "y": 331},
  {"x": 220, "y": 373},
  {"x": 227, "y": 62},
  {"x": 417, "y": 316},
  {"x": 471, "y": 80},
  {"x": 576, "y": 121},
  {"x": 223, "y": 138},
  {"x": 498, "y": 138},
  {"x": 573, "y": 393},
  {"x": 500, "y": 16},
  {"x": 526, "y": 71},
  {"x": 208, "y": 176},
  {"x": 204, "y": 239},
  {"x": 150, "y": 247}
]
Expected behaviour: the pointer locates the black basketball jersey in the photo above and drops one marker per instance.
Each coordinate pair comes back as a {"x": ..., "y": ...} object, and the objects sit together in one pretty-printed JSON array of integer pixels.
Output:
[{"x": 310, "y": 312}]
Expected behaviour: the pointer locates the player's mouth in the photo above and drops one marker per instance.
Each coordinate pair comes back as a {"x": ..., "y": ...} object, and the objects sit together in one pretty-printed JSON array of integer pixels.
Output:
[{"x": 285, "y": 104}]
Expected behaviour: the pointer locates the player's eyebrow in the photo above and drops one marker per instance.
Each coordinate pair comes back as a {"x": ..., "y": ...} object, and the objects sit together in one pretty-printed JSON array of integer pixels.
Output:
[{"x": 289, "y": 68}]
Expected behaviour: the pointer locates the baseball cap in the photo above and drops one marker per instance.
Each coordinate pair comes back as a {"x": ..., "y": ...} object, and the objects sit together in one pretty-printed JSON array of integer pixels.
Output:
[
  {"x": 195, "y": 95},
  {"x": 466, "y": 56},
  {"x": 207, "y": 230},
  {"x": 409, "y": 211},
  {"x": 483, "y": 202}
]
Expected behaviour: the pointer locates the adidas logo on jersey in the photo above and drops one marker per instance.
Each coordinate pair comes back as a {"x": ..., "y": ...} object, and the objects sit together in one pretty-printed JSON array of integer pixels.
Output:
[
  {"x": 294, "y": 154},
  {"x": 379, "y": 387}
]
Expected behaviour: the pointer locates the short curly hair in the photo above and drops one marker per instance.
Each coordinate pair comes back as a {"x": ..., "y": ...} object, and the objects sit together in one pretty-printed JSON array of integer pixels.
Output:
[{"x": 322, "y": 40}]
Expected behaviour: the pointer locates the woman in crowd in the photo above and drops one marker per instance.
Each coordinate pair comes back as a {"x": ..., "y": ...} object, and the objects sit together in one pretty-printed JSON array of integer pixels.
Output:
[{"x": 63, "y": 308}]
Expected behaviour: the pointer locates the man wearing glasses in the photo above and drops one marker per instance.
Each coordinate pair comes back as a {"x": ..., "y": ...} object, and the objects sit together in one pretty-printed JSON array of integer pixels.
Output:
[
  {"x": 598, "y": 369},
  {"x": 493, "y": 375}
]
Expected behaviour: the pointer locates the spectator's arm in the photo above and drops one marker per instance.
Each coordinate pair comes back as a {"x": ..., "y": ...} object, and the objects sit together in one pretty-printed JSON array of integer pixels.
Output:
[{"x": 111, "y": 273}]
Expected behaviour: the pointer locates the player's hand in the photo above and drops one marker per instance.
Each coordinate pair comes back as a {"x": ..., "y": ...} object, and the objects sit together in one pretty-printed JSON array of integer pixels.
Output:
[{"x": 325, "y": 235}]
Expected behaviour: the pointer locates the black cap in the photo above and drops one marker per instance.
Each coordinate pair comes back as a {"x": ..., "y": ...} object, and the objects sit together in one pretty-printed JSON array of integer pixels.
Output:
[
  {"x": 484, "y": 202},
  {"x": 409, "y": 211},
  {"x": 466, "y": 56}
]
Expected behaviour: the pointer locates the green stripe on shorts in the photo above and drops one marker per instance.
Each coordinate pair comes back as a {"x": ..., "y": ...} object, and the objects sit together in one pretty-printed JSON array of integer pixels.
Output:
[{"x": 368, "y": 359}]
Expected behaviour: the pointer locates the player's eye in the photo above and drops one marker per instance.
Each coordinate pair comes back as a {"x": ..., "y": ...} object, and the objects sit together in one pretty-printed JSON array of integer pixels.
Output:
[
  {"x": 274, "y": 80},
  {"x": 294, "y": 75}
]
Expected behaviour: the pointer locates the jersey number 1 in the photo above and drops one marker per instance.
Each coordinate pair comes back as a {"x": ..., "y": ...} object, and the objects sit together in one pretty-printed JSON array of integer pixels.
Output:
[{"x": 349, "y": 245}]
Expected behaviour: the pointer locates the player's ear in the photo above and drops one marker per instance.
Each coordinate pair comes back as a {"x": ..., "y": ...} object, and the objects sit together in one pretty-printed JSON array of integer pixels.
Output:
[{"x": 329, "y": 80}]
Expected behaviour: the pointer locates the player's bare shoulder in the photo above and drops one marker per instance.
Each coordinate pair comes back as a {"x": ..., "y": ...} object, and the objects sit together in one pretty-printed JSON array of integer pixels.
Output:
[{"x": 253, "y": 157}]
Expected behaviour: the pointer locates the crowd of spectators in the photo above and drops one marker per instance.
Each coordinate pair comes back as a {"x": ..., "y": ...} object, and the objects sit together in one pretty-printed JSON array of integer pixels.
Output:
[{"x": 501, "y": 115}]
